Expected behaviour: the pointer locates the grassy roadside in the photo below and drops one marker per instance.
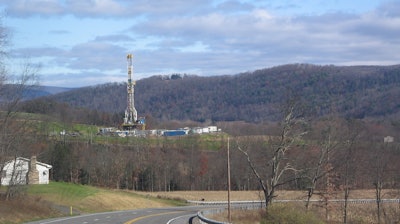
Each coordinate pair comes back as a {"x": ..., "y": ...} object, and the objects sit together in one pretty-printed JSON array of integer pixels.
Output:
[{"x": 56, "y": 199}]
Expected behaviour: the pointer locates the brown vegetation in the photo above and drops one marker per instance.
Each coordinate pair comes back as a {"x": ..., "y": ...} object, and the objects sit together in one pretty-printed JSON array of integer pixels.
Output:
[
  {"x": 357, "y": 213},
  {"x": 27, "y": 207},
  {"x": 351, "y": 91},
  {"x": 258, "y": 195}
]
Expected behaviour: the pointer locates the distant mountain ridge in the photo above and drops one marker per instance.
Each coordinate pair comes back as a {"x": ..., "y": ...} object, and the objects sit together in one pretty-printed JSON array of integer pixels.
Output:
[
  {"x": 40, "y": 91},
  {"x": 350, "y": 91},
  {"x": 54, "y": 89}
]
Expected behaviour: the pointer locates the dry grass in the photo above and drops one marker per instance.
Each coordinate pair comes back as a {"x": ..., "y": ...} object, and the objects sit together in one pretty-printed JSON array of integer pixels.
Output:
[
  {"x": 241, "y": 216},
  {"x": 56, "y": 199},
  {"x": 361, "y": 213},
  {"x": 296, "y": 213},
  {"x": 87, "y": 199},
  {"x": 221, "y": 195},
  {"x": 17, "y": 210},
  {"x": 357, "y": 213},
  {"x": 257, "y": 195},
  {"x": 117, "y": 200}
]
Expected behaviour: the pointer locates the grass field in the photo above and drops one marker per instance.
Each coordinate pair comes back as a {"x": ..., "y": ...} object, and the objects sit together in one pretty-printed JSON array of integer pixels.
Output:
[{"x": 257, "y": 195}]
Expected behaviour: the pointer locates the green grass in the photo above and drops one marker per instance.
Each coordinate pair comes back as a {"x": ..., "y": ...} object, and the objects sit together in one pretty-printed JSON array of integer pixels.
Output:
[
  {"x": 63, "y": 192},
  {"x": 47, "y": 126},
  {"x": 68, "y": 193},
  {"x": 289, "y": 214}
]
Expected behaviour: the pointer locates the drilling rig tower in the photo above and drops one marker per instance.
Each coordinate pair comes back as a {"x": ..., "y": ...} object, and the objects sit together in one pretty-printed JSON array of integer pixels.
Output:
[{"x": 131, "y": 120}]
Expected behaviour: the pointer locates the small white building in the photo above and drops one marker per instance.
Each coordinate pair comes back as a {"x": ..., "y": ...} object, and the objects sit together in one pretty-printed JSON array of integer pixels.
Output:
[
  {"x": 25, "y": 171},
  {"x": 388, "y": 139},
  {"x": 206, "y": 130},
  {"x": 212, "y": 129},
  {"x": 197, "y": 130}
]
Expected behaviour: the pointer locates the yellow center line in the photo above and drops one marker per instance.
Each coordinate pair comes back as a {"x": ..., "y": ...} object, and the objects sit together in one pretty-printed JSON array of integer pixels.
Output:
[{"x": 148, "y": 216}]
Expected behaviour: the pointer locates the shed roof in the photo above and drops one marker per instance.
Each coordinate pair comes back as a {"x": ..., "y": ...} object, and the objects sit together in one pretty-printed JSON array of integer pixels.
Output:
[{"x": 48, "y": 166}]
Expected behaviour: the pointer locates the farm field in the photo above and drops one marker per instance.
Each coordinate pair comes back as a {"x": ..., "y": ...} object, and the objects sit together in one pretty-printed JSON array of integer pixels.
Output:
[
  {"x": 257, "y": 195},
  {"x": 290, "y": 212}
]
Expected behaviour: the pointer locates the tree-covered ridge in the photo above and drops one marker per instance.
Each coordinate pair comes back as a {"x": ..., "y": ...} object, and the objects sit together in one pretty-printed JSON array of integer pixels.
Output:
[{"x": 350, "y": 91}]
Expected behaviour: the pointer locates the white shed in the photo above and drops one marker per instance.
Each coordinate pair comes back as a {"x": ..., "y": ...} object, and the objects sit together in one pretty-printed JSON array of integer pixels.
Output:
[
  {"x": 25, "y": 171},
  {"x": 212, "y": 128},
  {"x": 388, "y": 139}
]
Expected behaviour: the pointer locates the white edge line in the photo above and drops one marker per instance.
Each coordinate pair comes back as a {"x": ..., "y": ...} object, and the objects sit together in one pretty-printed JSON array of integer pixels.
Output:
[
  {"x": 171, "y": 220},
  {"x": 79, "y": 216}
]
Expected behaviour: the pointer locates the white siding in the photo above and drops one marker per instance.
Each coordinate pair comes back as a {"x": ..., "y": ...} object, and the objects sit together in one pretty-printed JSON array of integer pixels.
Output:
[
  {"x": 18, "y": 174},
  {"x": 213, "y": 128},
  {"x": 21, "y": 170}
]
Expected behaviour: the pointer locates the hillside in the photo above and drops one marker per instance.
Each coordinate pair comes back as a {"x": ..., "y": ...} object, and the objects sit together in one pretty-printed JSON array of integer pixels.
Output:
[
  {"x": 350, "y": 91},
  {"x": 56, "y": 199}
]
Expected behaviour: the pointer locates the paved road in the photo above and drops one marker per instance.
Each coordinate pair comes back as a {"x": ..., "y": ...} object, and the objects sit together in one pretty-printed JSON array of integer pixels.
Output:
[{"x": 174, "y": 215}]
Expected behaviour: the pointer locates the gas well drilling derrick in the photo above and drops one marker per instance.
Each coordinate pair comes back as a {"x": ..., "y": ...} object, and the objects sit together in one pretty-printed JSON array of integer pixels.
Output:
[{"x": 131, "y": 120}]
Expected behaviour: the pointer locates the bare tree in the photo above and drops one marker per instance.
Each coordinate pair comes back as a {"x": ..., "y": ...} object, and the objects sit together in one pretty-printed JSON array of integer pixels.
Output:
[
  {"x": 279, "y": 164},
  {"x": 12, "y": 127},
  {"x": 380, "y": 163},
  {"x": 322, "y": 167},
  {"x": 352, "y": 131}
]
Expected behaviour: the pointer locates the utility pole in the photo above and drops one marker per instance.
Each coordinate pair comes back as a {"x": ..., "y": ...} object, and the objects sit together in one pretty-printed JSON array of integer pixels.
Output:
[{"x": 229, "y": 184}]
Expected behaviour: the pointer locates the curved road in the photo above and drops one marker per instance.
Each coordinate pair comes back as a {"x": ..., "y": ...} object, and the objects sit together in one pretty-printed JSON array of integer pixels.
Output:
[{"x": 173, "y": 215}]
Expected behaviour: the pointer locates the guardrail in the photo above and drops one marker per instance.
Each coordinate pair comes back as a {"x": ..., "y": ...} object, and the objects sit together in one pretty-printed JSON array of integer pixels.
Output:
[
  {"x": 355, "y": 201},
  {"x": 201, "y": 215},
  {"x": 245, "y": 205},
  {"x": 248, "y": 205}
]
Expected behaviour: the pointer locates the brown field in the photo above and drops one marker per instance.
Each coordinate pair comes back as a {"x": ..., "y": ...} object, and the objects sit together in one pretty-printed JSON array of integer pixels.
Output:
[
  {"x": 258, "y": 195},
  {"x": 356, "y": 213}
]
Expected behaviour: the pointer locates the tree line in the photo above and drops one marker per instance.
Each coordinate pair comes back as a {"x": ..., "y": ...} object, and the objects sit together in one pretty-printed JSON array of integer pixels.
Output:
[
  {"x": 350, "y": 91},
  {"x": 308, "y": 130}
]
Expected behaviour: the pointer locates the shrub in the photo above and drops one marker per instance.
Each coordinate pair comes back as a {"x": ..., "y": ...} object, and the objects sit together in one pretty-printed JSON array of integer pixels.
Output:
[{"x": 289, "y": 214}]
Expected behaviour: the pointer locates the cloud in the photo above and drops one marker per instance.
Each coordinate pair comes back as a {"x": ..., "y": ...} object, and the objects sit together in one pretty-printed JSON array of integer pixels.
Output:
[
  {"x": 69, "y": 79},
  {"x": 96, "y": 8},
  {"x": 94, "y": 56},
  {"x": 114, "y": 38},
  {"x": 37, "y": 52},
  {"x": 25, "y": 8},
  {"x": 336, "y": 36},
  {"x": 89, "y": 8},
  {"x": 101, "y": 8},
  {"x": 209, "y": 37},
  {"x": 90, "y": 56},
  {"x": 233, "y": 7},
  {"x": 389, "y": 9}
]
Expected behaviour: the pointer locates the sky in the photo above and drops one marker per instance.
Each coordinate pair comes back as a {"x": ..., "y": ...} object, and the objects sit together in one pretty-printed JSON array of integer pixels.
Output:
[{"x": 85, "y": 42}]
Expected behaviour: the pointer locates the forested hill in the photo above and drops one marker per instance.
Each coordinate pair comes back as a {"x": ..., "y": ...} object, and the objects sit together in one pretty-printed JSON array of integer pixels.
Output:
[{"x": 351, "y": 91}]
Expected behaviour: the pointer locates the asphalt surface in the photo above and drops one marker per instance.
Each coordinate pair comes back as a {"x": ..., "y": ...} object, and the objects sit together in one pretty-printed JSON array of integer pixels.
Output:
[{"x": 173, "y": 215}]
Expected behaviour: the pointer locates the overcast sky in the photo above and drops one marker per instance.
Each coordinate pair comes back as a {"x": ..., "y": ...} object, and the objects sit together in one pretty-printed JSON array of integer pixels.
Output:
[{"x": 85, "y": 42}]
